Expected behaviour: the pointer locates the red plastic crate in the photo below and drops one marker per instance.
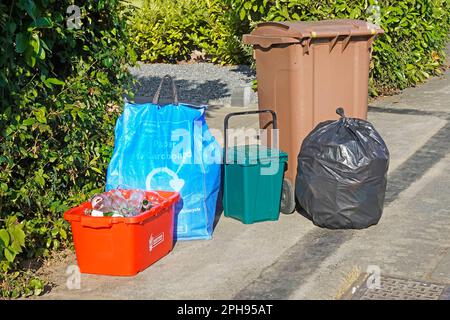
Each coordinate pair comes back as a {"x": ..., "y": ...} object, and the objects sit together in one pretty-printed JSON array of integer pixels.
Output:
[{"x": 123, "y": 246}]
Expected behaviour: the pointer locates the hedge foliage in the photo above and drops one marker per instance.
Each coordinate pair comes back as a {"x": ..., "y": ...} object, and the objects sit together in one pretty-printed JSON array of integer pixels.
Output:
[
  {"x": 411, "y": 50},
  {"x": 60, "y": 91},
  {"x": 170, "y": 30}
]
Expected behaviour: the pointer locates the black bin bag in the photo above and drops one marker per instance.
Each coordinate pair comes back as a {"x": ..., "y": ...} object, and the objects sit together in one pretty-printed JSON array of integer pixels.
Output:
[{"x": 342, "y": 174}]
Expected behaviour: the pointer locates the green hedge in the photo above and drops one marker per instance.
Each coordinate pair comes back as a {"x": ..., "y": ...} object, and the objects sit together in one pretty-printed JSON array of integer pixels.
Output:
[
  {"x": 170, "y": 30},
  {"x": 60, "y": 92},
  {"x": 411, "y": 50}
]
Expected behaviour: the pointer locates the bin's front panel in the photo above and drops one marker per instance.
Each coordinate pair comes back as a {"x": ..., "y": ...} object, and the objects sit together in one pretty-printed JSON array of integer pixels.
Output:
[
  {"x": 341, "y": 79},
  {"x": 285, "y": 84},
  {"x": 251, "y": 196},
  {"x": 305, "y": 88},
  {"x": 104, "y": 250}
]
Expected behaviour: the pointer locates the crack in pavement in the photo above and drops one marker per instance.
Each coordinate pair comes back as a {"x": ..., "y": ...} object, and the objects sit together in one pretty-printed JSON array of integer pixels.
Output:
[{"x": 299, "y": 262}]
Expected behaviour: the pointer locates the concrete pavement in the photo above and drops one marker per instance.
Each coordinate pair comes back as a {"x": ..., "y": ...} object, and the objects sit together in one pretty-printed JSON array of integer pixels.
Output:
[{"x": 291, "y": 258}]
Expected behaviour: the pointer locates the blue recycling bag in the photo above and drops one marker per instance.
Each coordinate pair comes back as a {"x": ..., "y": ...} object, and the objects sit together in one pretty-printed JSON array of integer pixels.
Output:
[{"x": 169, "y": 148}]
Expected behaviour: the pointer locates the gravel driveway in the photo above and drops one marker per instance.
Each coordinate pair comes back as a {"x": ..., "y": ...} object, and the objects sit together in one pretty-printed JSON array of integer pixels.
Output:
[{"x": 197, "y": 83}]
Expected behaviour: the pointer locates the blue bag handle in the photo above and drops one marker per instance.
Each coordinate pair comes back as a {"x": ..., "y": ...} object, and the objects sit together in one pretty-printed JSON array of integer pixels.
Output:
[{"x": 174, "y": 90}]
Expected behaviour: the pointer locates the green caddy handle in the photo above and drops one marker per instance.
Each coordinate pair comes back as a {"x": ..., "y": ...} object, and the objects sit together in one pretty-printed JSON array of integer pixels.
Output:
[{"x": 228, "y": 116}]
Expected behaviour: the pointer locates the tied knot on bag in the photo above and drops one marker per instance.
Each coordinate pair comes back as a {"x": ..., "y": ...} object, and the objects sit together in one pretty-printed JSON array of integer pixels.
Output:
[{"x": 341, "y": 113}]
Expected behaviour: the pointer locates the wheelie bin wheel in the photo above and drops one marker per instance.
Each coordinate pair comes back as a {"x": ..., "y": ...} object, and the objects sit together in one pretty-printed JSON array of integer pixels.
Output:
[{"x": 287, "y": 205}]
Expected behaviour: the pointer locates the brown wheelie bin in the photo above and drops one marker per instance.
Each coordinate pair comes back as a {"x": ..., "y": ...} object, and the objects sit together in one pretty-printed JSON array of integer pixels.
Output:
[{"x": 305, "y": 70}]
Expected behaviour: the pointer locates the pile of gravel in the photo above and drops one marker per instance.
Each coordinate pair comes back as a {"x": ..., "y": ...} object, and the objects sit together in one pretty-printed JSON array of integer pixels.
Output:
[{"x": 197, "y": 83}]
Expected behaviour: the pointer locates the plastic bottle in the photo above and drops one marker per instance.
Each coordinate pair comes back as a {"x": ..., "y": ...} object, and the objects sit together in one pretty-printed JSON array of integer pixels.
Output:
[
  {"x": 154, "y": 198},
  {"x": 118, "y": 203},
  {"x": 135, "y": 202},
  {"x": 101, "y": 202},
  {"x": 114, "y": 203}
]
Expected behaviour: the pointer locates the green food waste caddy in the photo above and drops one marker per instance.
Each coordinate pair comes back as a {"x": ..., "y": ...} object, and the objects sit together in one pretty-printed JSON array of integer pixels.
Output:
[{"x": 253, "y": 179}]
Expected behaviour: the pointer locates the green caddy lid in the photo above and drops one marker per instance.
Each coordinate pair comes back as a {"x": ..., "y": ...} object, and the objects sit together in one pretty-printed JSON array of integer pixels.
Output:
[{"x": 250, "y": 155}]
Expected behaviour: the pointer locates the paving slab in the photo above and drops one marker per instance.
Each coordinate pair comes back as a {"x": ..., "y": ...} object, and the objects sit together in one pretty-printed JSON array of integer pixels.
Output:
[
  {"x": 428, "y": 97},
  {"x": 404, "y": 134},
  {"x": 442, "y": 270}
]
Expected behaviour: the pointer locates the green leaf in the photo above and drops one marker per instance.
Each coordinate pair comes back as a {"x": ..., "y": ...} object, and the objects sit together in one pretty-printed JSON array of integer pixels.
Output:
[
  {"x": 21, "y": 42},
  {"x": 97, "y": 170},
  {"x": 242, "y": 14},
  {"x": 102, "y": 78},
  {"x": 16, "y": 247},
  {"x": 29, "y": 121},
  {"x": 54, "y": 232},
  {"x": 3, "y": 187},
  {"x": 40, "y": 114},
  {"x": 18, "y": 235},
  {"x": 9, "y": 255},
  {"x": 35, "y": 43},
  {"x": 56, "y": 244},
  {"x": 31, "y": 8},
  {"x": 41, "y": 53},
  {"x": 108, "y": 62},
  {"x": 12, "y": 27},
  {"x": 4, "y": 236},
  {"x": 44, "y": 45},
  {"x": 37, "y": 285},
  {"x": 42, "y": 23},
  {"x": 40, "y": 180},
  {"x": 54, "y": 81},
  {"x": 30, "y": 58},
  {"x": 15, "y": 294},
  {"x": 3, "y": 79},
  {"x": 11, "y": 221}
]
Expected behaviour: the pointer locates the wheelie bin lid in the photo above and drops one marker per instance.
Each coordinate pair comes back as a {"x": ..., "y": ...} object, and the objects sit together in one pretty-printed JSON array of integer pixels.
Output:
[
  {"x": 248, "y": 155},
  {"x": 270, "y": 33}
]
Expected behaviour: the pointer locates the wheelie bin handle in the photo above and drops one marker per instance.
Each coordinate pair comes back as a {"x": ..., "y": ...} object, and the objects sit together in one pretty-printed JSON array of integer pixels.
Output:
[{"x": 228, "y": 116}]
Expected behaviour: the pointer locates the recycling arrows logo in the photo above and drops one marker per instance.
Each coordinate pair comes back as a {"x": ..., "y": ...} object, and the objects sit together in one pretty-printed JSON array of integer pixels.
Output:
[{"x": 175, "y": 183}]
